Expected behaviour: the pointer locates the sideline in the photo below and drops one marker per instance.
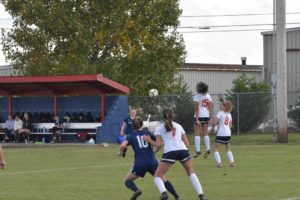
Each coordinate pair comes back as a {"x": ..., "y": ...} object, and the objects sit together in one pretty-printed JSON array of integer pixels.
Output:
[
  {"x": 64, "y": 169},
  {"x": 293, "y": 198}
]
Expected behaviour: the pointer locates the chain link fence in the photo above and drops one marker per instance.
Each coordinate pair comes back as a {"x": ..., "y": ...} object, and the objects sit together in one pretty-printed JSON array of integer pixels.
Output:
[{"x": 252, "y": 112}]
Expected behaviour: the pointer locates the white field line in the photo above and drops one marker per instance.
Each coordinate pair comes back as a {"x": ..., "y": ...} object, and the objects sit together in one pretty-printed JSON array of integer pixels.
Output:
[
  {"x": 64, "y": 169},
  {"x": 293, "y": 198}
]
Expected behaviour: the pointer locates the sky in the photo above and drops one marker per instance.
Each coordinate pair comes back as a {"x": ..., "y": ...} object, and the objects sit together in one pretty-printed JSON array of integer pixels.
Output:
[{"x": 217, "y": 47}]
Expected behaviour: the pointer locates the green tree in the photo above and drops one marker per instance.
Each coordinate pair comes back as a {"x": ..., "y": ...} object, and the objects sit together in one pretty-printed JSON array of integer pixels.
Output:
[
  {"x": 132, "y": 42},
  {"x": 250, "y": 101}
]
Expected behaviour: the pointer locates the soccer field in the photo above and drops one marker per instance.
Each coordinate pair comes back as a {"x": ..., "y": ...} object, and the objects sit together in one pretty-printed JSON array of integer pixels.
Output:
[{"x": 264, "y": 171}]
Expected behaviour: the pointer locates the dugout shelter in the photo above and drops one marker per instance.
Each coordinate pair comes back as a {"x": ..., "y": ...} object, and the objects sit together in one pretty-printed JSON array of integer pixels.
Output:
[{"x": 112, "y": 107}]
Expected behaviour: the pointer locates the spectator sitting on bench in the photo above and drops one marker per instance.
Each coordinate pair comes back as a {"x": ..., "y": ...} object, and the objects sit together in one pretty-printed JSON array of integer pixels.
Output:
[
  {"x": 27, "y": 128},
  {"x": 56, "y": 130},
  {"x": 18, "y": 125},
  {"x": 9, "y": 127},
  {"x": 81, "y": 117}
]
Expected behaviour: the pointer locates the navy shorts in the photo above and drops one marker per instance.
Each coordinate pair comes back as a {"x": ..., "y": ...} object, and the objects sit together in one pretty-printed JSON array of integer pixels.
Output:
[
  {"x": 223, "y": 139},
  {"x": 203, "y": 120},
  {"x": 172, "y": 156},
  {"x": 141, "y": 170}
]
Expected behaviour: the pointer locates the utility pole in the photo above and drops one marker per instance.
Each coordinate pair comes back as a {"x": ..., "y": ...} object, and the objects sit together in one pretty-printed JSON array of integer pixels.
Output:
[{"x": 281, "y": 100}]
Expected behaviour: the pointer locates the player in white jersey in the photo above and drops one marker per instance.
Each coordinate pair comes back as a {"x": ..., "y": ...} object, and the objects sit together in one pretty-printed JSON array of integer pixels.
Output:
[
  {"x": 224, "y": 133},
  {"x": 175, "y": 148},
  {"x": 2, "y": 161},
  {"x": 203, "y": 116}
]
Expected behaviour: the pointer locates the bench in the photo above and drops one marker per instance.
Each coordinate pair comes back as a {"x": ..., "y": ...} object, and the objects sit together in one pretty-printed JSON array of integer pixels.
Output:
[{"x": 39, "y": 127}]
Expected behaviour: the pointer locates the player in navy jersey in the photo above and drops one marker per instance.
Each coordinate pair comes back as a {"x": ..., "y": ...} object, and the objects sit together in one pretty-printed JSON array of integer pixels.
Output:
[
  {"x": 144, "y": 159},
  {"x": 127, "y": 125}
]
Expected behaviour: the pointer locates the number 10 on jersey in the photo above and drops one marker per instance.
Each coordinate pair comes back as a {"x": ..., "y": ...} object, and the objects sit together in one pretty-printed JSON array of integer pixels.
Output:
[{"x": 141, "y": 142}]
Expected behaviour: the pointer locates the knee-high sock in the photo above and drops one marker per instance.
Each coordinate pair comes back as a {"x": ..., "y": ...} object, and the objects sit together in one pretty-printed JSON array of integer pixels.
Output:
[
  {"x": 196, "y": 183},
  {"x": 230, "y": 156},
  {"x": 207, "y": 142},
  {"x": 197, "y": 143},
  {"x": 171, "y": 189},
  {"x": 130, "y": 185},
  {"x": 217, "y": 157},
  {"x": 159, "y": 184}
]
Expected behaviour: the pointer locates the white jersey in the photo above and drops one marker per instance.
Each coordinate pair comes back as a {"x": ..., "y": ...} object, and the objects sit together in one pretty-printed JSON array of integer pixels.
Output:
[
  {"x": 172, "y": 139},
  {"x": 203, "y": 101},
  {"x": 225, "y": 119}
]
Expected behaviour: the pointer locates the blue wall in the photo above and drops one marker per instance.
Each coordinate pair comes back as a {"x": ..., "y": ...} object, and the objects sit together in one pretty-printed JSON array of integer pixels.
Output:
[{"x": 46, "y": 104}]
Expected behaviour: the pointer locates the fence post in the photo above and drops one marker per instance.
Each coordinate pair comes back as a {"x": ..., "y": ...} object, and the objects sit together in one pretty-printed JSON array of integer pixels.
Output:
[{"x": 238, "y": 113}]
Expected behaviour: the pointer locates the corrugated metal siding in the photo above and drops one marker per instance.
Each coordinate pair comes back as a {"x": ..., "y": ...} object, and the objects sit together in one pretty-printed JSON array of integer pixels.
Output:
[
  {"x": 6, "y": 71},
  {"x": 218, "y": 81},
  {"x": 293, "y": 62}
]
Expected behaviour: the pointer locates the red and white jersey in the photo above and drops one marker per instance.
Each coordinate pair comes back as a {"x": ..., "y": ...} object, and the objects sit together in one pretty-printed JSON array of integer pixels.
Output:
[
  {"x": 171, "y": 139},
  {"x": 224, "y": 122},
  {"x": 203, "y": 101}
]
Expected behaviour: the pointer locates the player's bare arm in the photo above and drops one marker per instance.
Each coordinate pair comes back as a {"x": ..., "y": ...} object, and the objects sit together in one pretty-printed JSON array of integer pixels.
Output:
[
  {"x": 122, "y": 129},
  {"x": 185, "y": 140},
  {"x": 122, "y": 147},
  {"x": 2, "y": 161}
]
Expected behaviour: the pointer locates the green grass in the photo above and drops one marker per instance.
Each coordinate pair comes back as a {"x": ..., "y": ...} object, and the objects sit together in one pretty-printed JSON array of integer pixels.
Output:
[{"x": 264, "y": 171}]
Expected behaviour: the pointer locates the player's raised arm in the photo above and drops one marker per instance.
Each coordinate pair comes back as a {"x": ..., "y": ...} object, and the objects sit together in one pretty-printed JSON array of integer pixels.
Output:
[{"x": 2, "y": 161}]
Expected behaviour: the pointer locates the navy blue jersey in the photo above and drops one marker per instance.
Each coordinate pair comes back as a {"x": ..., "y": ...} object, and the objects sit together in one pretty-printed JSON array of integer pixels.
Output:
[
  {"x": 58, "y": 123},
  {"x": 129, "y": 127},
  {"x": 143, "y": 150}
]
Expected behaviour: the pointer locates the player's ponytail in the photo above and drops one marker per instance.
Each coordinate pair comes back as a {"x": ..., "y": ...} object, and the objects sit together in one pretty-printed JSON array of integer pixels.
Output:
[
  {"x": 227, "y": 106},
  {"x": 168, "y": 118},
  {"x": 137, "y": 123}
]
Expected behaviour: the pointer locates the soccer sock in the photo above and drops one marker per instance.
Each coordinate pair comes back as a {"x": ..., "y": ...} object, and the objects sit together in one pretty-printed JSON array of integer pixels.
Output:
[
  {"x": 196, "y": 183},
  {"x": 217, "y": 157},
  {"x": 171, "y": 189},
  {"x": 197, "y": 143},
  {"x": 131, "y": 185},
  {"x": 207, "y": 142},
  {"x": 159, "y": 184},
  {"x": 230, "y": 156},
  {"x": 124, "y": 150}
]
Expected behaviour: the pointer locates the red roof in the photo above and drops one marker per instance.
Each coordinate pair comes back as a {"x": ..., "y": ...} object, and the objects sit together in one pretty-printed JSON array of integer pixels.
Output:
[{"x": 94, "y": 84}]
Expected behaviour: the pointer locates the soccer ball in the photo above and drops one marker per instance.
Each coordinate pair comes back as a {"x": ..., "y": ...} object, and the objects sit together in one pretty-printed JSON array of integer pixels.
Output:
[{"x": 153, "y": 93}]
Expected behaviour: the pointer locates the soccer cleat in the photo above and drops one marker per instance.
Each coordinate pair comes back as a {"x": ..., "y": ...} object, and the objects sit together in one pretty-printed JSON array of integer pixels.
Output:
[
  {"x": 136, "y": 194},
  {"x": 206, "y": 154},
  {"x": 197, "y": 154},
  {"x": 232, "y": 164},
  {"x": 202, "y": 197},
  {"x": 164, "y": 196},
  {"x": 219, "y": 165},
  {"x": 179, "y": 198}
]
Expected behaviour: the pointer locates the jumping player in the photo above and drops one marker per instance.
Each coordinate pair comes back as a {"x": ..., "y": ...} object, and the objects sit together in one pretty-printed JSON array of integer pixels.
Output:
[
  {"x": 2, "y": 161},
  {"x": 144, "y": 159},
  {"x": 203, "y": 116},
  {"x": 224, "y": 133},
  {"x": 175, "y": 148},
  {"x": 127, "y": 124}
]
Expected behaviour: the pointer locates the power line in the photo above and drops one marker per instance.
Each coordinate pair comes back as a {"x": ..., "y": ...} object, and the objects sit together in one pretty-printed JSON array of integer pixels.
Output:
[
  {"x": 236, "y": 15},
  {"x": 232, "y": 25},
  {"x": 236, "y": 30}
]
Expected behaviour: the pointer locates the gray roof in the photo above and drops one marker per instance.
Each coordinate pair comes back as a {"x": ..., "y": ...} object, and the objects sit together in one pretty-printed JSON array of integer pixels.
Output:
[
  {"x": 221, "y": 67},
  {"x": 287, "y": 30}
]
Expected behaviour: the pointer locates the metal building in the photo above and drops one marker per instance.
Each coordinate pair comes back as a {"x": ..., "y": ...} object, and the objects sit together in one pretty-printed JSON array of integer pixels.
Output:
[
  {"x": 6, "y": 70},
  {"x": 293, "y": 59},
  {"x": 219, "y": 77}
]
